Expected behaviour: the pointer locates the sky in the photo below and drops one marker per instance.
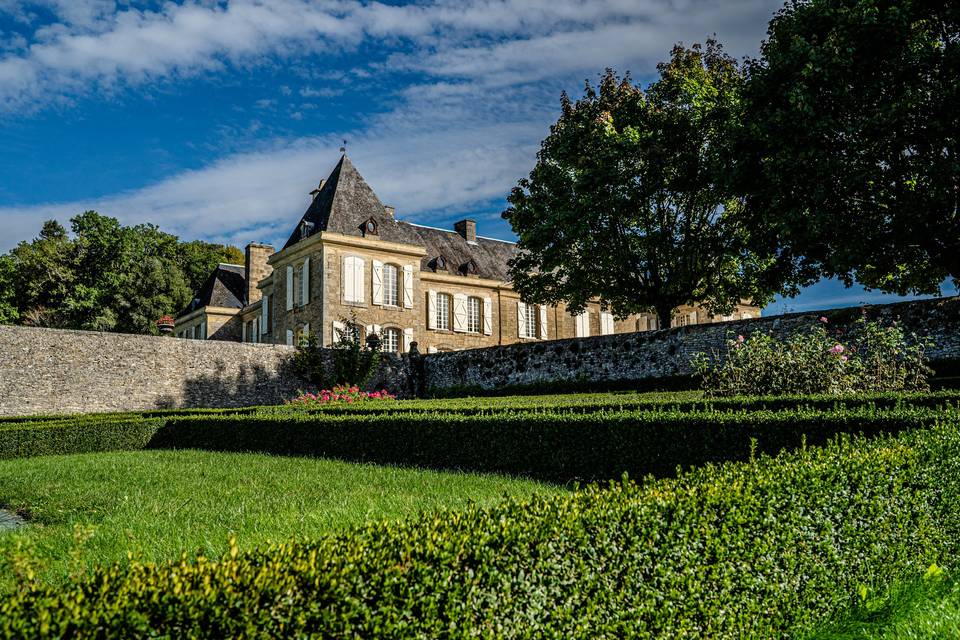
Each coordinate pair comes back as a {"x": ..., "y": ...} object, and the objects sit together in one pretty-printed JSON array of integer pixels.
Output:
[{"x": 215, "y": 119}]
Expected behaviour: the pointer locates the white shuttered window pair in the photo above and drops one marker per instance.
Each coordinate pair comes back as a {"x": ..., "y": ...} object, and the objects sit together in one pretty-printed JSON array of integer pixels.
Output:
[
  {"x": 532, "y": 320},
  {"x": 353, "y": 272}
]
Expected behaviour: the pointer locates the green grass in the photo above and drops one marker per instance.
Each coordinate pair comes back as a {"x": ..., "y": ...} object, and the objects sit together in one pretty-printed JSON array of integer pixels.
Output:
[
  {"x": 924, "y": 609},
  {"x": 158, "y": 504}
]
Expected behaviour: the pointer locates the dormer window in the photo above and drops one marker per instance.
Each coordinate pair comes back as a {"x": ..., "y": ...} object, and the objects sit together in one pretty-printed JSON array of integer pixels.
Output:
[
  {"x": 439, "y": 263},
  {"x": 369, "y": 228},
  {"x": 306, "y": 228},
  {"x": 469, "y": 268}
]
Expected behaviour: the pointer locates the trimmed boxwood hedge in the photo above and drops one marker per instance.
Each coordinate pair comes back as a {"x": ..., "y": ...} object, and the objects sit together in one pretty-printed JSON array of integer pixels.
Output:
[
  {"x": 560, "y": 447},
  {"x": 730, "y": 551},
  {"x": 92, "y": 434}
]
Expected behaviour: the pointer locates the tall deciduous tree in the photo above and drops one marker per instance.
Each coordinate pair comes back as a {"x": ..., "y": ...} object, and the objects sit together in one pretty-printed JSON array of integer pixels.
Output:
[
  {"x": 107, "y": 277},
  {"x": 628, "y": 201},
  {"x": 851, "y": 157}
]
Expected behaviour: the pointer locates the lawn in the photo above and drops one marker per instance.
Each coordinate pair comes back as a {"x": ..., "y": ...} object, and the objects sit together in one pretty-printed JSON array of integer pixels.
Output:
[{"x": 93, "y": 508}]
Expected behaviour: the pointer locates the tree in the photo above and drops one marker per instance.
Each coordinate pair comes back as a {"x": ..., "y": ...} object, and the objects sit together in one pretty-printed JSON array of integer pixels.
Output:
[
  {"x": 628, "y": 202},
  {"x": 9, "y": 313},
  {"x": 851, "y": 163}
]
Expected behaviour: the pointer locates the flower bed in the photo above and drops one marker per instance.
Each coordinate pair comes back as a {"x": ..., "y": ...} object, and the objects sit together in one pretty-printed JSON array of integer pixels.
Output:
[{"x": 341, "y": 394}]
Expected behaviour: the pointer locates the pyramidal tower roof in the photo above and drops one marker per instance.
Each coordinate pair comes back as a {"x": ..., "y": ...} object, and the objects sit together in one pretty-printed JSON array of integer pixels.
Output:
[{"x": 344, "y": 204}]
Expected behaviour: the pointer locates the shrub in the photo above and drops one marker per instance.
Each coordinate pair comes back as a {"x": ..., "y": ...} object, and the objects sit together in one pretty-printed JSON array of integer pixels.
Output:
[
  {"x": 730, "y": 551},
  {"x": 77, "y": 435},
  {"x": 555, "y": 446},
  {"x": 867, "y": 357}
]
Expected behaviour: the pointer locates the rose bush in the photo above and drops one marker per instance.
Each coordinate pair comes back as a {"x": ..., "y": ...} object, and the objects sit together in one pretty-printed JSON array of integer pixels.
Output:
[
  {"x": 864, "y": 357},
  {"x": 341, "y": 394}
]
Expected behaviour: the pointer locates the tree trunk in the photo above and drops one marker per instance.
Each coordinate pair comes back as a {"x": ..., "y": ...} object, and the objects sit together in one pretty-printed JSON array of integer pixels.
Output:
[{"x": 664, "y": 315}]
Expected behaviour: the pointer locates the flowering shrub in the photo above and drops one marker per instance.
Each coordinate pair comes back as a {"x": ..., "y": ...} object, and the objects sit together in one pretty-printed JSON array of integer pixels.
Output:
[
  {"x": 865, "y": 357},
  {"x": 343, "y": 394}
]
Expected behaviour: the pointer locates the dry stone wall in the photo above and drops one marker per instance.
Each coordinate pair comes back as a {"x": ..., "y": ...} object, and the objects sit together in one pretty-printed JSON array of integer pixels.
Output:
[{"x": 622, "y": 360}]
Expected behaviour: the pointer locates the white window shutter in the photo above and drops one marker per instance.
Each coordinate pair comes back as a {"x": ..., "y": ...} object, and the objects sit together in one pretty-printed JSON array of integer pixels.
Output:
[
  {"x": 243, "y": 332},
  {"x": 407, "y": 339},
  {"x": 522, "y": 320},
  {"x": 289, "y": 337},
  {"x": 369, "y": 329},
  {"x": 431, "y": 349},
  {"x": 256, "y": 331},
  {"x": 459, "y": 312},
  {"x": 377, "y": 329},
  {"x": 305, "y": 283},
  {"x": 583, "y": 325},
  {"x": 289, "y": 287},
  {"x": 408, "y": 286},
  {"x": 543, "y": 322},
  {"x": 377, "y": 282},
  {"x": 606, "y": 323},
  {"x": 337, "y": 332},
  {"x": 359, "y": 266},
  {"x": 349, "y": 295},
  {"x": 431, "y": 309},
  {"x": 487, "y": 316}
]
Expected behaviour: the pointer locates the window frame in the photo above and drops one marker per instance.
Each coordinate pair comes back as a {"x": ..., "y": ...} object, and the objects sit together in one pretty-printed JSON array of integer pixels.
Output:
[
  {"x": 442, "y": 314},
  {"x": 390, "y": 268},
  {"x": 474, "y": 324},
  {"x": 531, "y": 316},
  {"x": 386, "y": 339}
]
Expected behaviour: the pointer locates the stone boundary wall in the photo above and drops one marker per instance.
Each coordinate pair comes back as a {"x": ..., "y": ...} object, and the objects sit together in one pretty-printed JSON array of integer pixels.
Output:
[
  {"x": 622, "y": 359},
  {"x": 58, "y": 371},
  {"x": 52, "y": 371}
]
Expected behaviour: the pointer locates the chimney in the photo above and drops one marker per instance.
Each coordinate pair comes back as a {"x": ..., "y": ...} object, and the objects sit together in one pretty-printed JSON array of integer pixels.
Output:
[
  {"x": 390, "y": 210},
  {"x": 467, "y": 229},
  {"x": 256, "y": 268}
]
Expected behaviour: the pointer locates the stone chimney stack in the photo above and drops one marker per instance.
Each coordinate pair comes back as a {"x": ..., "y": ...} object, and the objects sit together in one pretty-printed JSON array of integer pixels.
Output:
[
  {"x": 256, "y": 268},
  {"x": 467, "y": 229},
  {"x": 390, "y": 210}
]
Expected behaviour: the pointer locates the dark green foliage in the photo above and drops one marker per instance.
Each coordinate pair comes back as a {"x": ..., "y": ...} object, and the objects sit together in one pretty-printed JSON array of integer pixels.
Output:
[
  {"x": 354, "y": 362},
  {"x": 559, "y": 447},
  {"x": 730, "y": 551},
  {"x": 309, "y": 362},
  {"x": 76, "y": 435},
  {"x": 852, "y": 135},
  {"x": 632, "y": 182},
  {"x": 107, "y": 277}
]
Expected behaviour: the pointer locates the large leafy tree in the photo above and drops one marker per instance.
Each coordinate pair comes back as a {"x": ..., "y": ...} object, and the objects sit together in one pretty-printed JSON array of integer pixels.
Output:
[
  {"x": 851, "y": 157},
  {"x": 628, "y": 201},
  {"x": 107, "y": 277}
]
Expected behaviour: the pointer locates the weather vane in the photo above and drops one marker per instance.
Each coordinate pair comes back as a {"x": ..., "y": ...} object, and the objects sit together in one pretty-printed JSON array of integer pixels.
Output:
[{"x": 343, "y": 149}]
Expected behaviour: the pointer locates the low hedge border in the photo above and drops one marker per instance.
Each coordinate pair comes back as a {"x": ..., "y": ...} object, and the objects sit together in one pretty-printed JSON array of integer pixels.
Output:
[
  {"x": 71, "y": 436},
  {"x": 730, "y": 551},
  {"x": 558, "y": 447}
]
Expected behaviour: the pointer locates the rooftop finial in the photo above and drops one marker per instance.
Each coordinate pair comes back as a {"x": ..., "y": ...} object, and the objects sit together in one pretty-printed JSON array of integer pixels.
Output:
[{"x": 343, "y": 148}]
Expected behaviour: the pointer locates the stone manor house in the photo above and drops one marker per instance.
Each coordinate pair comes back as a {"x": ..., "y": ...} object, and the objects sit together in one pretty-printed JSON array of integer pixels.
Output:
[{"x": 349, "y": 257}]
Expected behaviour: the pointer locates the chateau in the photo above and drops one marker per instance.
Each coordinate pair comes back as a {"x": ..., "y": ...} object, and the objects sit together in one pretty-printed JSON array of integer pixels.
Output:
[{"x": 350, "y": 258}]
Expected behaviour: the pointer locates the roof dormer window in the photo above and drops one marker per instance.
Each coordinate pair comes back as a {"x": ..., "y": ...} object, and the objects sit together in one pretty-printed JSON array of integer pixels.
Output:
[
  {"x": 306, "y": 228},
  {"x": 369, "y": 228},
  {"x": 439, "y": 263},
  {"x": 469, "y": 268}
]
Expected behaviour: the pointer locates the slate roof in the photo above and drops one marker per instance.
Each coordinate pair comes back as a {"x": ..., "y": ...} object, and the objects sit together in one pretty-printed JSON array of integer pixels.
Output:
[
  {"x": 226, "y": 287},
  {"x": 346, "y": 202}
]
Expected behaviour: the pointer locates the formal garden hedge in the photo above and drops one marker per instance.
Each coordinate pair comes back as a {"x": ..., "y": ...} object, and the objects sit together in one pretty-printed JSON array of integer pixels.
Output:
[
  {"x": 729, "y": 551},
  {"x": 559, "y": 446}
]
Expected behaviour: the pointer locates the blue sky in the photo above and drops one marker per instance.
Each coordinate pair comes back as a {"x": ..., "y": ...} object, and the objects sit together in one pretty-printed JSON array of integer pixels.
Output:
[{"x": 214, "y": 120}]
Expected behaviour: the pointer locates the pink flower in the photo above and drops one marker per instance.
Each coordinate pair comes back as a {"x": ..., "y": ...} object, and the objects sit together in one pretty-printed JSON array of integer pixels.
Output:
[
  {"x": 824, "y": 320},
  {"x": 740, "y": 339},
  {"x": 837, "y": 348},
  {"x": 843, "y": 358}
]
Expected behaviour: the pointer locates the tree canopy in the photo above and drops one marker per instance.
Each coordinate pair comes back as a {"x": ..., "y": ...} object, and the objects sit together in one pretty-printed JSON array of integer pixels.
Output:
[
  {"x": 850, "y": 148},
  {"x": 629, "y": 201},
  {"x": 105, "y": 277}
]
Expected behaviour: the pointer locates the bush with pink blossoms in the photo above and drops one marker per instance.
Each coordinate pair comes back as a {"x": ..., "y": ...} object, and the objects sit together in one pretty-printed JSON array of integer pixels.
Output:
[
  {"x": 342, "y": 394},
  {"x": 864, "y": 357}
]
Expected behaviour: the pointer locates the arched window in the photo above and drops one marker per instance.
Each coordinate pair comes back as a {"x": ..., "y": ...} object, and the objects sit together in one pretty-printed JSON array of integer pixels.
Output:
[
  {"x": 443, "y": 311},
  {"x": 391, "y": 289},
  {"x": 474, "y": 314},
  {"x": 391, "y": 340}
]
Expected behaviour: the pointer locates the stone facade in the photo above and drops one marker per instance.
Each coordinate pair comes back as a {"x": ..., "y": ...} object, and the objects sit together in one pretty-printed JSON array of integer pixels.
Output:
[{"x": 306, "y": 289}]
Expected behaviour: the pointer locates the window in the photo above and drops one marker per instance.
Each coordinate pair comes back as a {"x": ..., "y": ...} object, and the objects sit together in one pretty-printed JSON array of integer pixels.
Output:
[
  {"x": 353, "y": 279},
  {"x": 390, "y": 289},
  {"x": 474, "y": 313},
  {"x": 528, "y": 320},
  {"x": 298, "y": 288},
  {"x": 391, "y": 340},
  {"x": 443, "y": 311},
  {"x": 249, "y": 331}
]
